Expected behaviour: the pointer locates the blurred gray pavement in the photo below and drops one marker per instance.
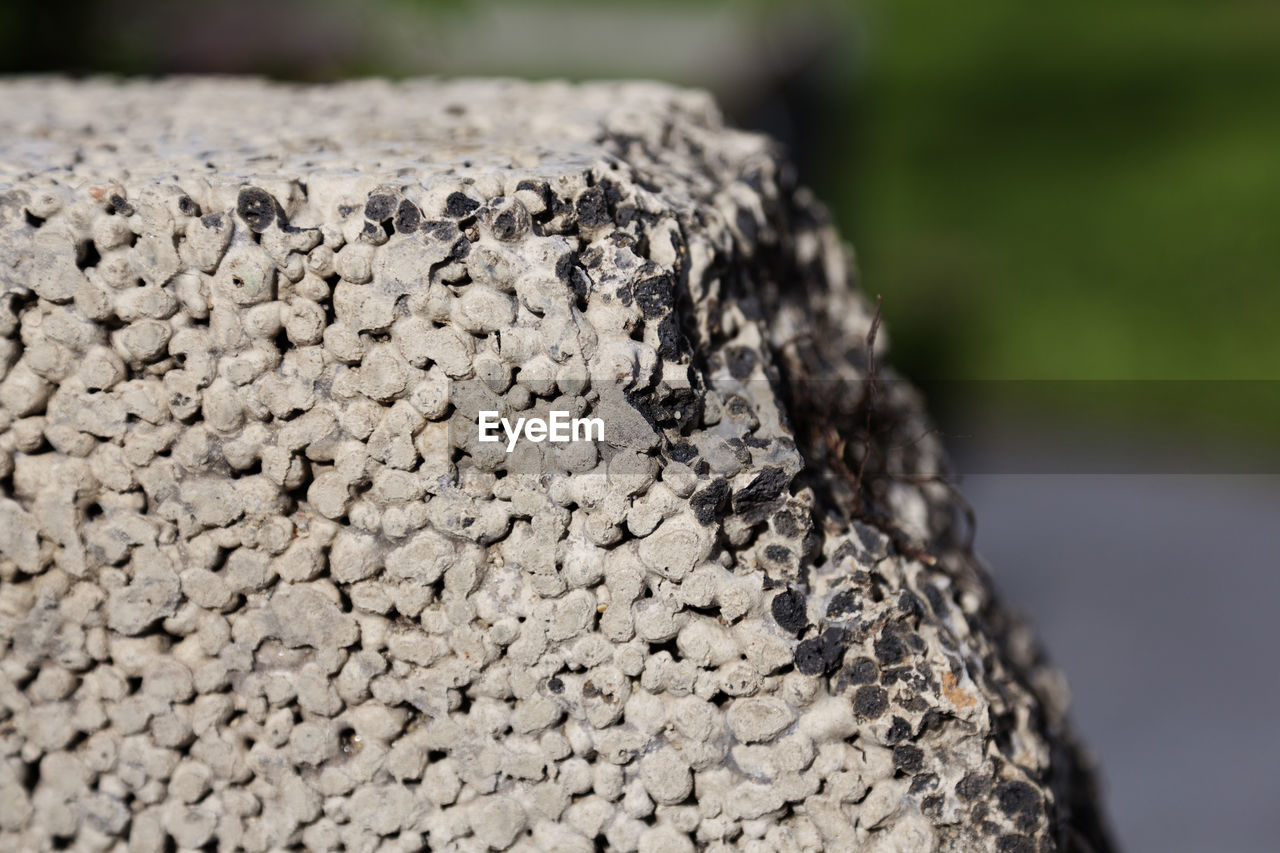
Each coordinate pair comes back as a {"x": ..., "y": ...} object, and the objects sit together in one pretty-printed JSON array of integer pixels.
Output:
[{"x": 1159, "y": 596}]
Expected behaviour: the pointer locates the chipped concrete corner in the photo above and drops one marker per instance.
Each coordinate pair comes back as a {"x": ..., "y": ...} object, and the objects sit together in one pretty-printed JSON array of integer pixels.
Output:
[{"x": 262, "y": 588}]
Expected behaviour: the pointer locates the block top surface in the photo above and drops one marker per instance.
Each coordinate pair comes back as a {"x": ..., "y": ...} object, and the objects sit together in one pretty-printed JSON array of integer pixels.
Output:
[{"x": 233, "y": 129}]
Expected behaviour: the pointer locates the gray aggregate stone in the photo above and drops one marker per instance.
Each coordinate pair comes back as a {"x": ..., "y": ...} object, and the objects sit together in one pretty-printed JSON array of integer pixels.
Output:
[{"x": 263, "y": 587}]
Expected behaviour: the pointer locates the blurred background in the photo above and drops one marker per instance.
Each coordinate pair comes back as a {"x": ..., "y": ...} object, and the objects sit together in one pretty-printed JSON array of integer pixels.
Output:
[{"x": 1072, "y": 213}]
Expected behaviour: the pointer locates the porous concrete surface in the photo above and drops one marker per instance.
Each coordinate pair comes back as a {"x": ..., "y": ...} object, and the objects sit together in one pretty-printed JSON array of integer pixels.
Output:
[{"x": 261, "y": 588}]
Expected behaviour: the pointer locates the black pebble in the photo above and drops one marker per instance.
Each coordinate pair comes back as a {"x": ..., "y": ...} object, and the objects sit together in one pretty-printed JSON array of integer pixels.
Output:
[
  {"x": 908, "y": 758},
  {"x": 612, "y": 192},
  {"x": 1017, "y": 798},
  {"x": 936, "y": 600},
  {"x": 785, "y": 523},
  {"x": 779, "y": 554},
  {"x": 539, "y": 187},
  {"x": 870, "y": 701},
  {"x": 892, "y": 676},
  {"x": 592, "y": 207},
  {"x": 900, "y": 729},
  {"x": 910, "y": 604},
  {"x": 565, "y": 265},
  {"x": 890, "y": 649},
  {"x": 505, "y": 226},
  {"x": 843, "y": 604},
  {"x": 458, "y": 205},
  {"x": 580, "y": 284},
  {"x": 788, "y": 610},
  {"x": 1015, "y": 844},
  {"x": 257, "y": 208},
  {"x": 821, "y": 654},
  {"x": 668, "y": 338},
  {"x": 932, "y": 806},
  {"x": 706, "y": 503},
  {"x": 653, "y": 295},
  {"x": 871, "y": 540},
  {"x": 120, "y": 206},
  {"x": 766, "y": 486},
  {"x": 682, "y": 452},
  {"x": 408, "y": 217},
  {"x": 863, "y": 671},
  {"x": 924, "y": 782},
  {"x": 379, "y": 207}
]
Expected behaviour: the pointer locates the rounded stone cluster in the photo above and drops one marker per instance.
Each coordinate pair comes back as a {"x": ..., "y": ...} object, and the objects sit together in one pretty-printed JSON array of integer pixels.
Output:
[{"x": 262, "y": 587}]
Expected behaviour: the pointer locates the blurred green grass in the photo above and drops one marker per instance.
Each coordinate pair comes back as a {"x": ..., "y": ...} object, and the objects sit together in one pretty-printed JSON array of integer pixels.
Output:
[{"x": 1086, "y": 190}]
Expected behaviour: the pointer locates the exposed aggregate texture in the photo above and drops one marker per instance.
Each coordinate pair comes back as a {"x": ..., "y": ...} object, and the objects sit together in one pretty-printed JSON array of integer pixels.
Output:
[{"x": 261, "y": 588}]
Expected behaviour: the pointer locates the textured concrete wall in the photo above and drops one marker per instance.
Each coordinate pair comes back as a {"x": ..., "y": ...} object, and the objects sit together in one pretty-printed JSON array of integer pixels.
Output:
[{"x": 263, "y": 586}]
